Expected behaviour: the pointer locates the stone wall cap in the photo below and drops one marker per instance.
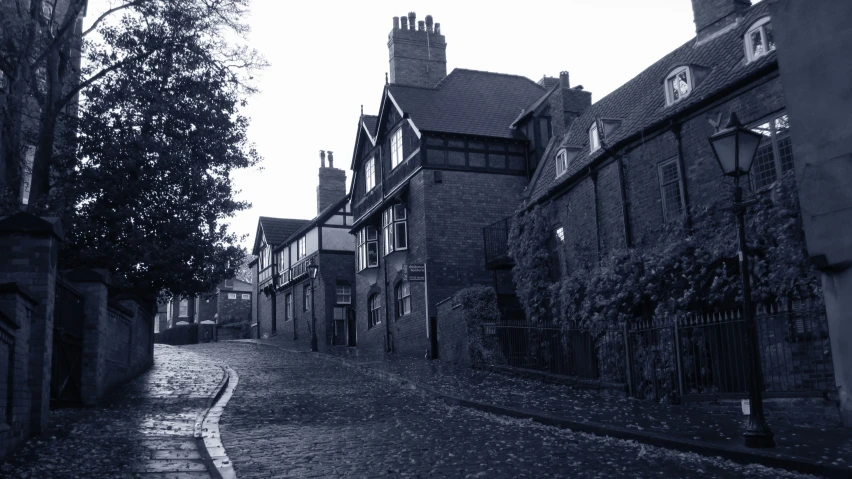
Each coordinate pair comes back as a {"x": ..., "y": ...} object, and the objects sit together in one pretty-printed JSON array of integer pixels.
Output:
[
  {"x": 23, "y": 222},
  {"x": 86, "y": 275},
  {"x": 16, "y": 288}
]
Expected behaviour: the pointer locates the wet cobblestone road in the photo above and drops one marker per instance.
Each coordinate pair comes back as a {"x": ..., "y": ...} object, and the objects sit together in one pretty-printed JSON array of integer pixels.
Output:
[{"x": 297, "y": 415}]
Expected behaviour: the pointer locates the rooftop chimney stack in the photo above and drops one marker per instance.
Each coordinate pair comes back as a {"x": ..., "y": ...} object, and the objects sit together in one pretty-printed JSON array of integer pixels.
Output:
[
  {"x": 332, "y": 183},
  {"x": 572, "y": 102},
  {"x": 563, "y": 80},
  {"x": 396, "y": 23},
  {"x": 714, "y": 16},
  {"x": 417, "y": 52}
]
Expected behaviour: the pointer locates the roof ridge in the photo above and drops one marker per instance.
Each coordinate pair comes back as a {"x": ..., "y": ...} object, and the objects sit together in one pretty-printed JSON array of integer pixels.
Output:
[{"x": 514, "y": 75}]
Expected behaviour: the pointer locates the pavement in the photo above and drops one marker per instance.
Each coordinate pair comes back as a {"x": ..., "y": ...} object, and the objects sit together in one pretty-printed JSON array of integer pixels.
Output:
[
  {"x": 146, "y": 429},
  {"x": 298, "y": 414},
  {"x": 824, "y": 450}
]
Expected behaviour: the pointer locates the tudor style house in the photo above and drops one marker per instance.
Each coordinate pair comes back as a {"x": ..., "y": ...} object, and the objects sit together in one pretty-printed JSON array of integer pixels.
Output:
[
  {"x": 445, "y": 156},
  {"x": 285, "y": 248}
]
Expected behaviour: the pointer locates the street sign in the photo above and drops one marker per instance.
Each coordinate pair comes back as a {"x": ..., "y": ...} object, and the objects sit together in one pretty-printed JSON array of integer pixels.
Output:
[{"x": 414, "y": 272}]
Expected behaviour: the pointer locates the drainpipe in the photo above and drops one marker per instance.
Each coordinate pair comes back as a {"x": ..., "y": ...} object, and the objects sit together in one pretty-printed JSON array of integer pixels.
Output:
[
  {"x": 625, "y": 205},
  {"x": 676, "y": 129}
]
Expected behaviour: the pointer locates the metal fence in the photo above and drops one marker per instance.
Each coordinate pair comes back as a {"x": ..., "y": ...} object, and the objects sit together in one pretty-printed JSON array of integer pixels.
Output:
[
  {"x": 687, "y": 355},
  {"x": 496, "y": 241}
]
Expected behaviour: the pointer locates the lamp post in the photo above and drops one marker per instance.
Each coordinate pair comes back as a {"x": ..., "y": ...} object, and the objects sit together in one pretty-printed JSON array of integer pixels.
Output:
[
  {"x": 734, "y": 148},
  {"x": 312, "y": 271}
]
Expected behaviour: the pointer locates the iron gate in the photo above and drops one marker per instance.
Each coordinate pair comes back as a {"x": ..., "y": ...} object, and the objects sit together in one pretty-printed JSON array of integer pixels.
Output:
[{"x": 67, "y": 362}]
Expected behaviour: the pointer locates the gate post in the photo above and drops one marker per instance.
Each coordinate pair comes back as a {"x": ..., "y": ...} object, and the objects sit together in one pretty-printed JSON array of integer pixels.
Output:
[
  {"x": 627, "y": 360},
  {"x": 93, "y": 285},
  {"x": 30, "y": 247},
  {"x": 678, "y": 359}
]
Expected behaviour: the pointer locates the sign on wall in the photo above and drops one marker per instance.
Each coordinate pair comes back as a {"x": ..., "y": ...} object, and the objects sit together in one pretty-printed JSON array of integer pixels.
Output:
[{"x": 414, "y": 272}]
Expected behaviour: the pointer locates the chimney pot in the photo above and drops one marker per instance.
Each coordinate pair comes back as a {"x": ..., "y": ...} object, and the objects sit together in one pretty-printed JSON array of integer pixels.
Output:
[
  {"x": 421, "y": 26},
  {"x": 322, "y": 158},
  {"x": 429, "y": 23},
  {"x": 331, "y": 159},
  {"x": 564, "y": 80},
  {"x": 437, "y": 28},
  {"x": 396, "y": 23},
  {"x": 404, "y": 23},
  {"x": 412, "y": 20},
  {"x": 711, "y": 16}
]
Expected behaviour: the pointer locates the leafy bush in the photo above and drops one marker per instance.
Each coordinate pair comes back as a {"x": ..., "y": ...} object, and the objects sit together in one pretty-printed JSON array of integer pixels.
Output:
[{"x": 479, "y": 306}]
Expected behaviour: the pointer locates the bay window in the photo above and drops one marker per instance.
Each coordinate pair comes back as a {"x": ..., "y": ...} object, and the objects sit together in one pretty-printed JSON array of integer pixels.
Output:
[
  {"x": 395, "y": 229},
  {"x": 368, "y": 248}
]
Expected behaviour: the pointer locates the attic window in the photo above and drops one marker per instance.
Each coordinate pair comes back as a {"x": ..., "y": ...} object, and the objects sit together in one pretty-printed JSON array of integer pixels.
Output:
[
  {"x": 563, "y": 160},
  {"x": 679, "y": 85},
  {"x": 370, "y": 174},
  {"x": 594, "y": 138},
  {"x": 759, "y": 40}
]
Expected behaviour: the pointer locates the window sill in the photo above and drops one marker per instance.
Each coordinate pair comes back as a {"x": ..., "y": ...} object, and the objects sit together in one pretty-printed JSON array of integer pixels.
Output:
[
  {"x": 404, "y": 316},
  {"x": 370, "y": 328}
]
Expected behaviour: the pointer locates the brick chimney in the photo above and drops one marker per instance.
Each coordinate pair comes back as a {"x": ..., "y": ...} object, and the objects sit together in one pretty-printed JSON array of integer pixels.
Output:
[
  {"x": 332, "y": 183},
  {"x": 417, "y": 51},
  {"x": 572, "y": 102},
  {"x": 712, "y": 16}
]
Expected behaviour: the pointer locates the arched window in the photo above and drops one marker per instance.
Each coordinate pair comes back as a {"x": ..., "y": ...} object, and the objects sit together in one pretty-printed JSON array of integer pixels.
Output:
[
  {"x": 759, "y": 40},
  {"x": 374, "y": 307},
  {"x": 679, "y": 85},
  {"x": 403, "y": 298}
]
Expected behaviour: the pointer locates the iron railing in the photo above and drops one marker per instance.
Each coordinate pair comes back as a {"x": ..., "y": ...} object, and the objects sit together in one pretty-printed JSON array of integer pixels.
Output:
[
  {"x": 690, "y": 355},
  {"x": 496, "y": 238}
]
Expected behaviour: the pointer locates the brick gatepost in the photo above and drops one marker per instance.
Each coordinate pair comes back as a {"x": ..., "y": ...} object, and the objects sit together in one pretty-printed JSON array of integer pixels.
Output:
[{"x": 30, "y": 247}]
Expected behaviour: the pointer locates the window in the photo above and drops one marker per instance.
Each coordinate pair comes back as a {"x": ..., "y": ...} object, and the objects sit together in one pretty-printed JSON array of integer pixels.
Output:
[
  {"x": 561, "y": 162},
  {"x": 246, "y": 296},
  {"x": 594, "y": 138},
  {"x": 183, "y": 308},
  {"x": 306, "y": 298},
  {"x": 394, "y": 229},
  {"x": 301, "y": 248},
  {"x": 344, "y": 294},
  {"x": 374, "y": 308},
  {"x": 370, "y": 174},
  {"x": 288, "y": 307},
  {"x": 156, "y": 323},
  {"x": 560, "y": 235},
  {"x": 555, "y": 246},
  {"x": 774, "y": 156},
  {"x": 232, "y": 295},
  {"x": 396, "y": 148},
  {"x": 671, "y": 190},
  {"x": 759, "y": 40},
  {"x": 678, "y": 85},
  {"x": 368, "y": 248},
  {"x": 403, "y": 299},
  {"x": 265, "y": 256}
]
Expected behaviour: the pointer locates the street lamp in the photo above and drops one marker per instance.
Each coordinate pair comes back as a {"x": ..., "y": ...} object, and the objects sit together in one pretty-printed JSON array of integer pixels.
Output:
[
  {"x": 312, "y": 271},
  {"x": 735, "y": 148}
]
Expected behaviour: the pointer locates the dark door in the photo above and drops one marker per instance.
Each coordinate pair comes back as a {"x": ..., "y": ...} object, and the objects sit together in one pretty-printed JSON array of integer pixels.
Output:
[{"x": 350, "y": 327}]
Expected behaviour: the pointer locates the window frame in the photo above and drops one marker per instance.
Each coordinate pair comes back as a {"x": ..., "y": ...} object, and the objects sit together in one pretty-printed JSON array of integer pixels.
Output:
[
  {"x": 302, "y": 248},
  {"x": 183, "y": 308},
  {"x": 594, "y": 138},
  {"x": 374, "y": 308},
  {"x": 758, "y": 25},
  {"x": 306, "y": 298},
  {"x": 363, "y": 243},
  {"x": 776, "y": 150},
  {"x": 690, "y": 80},
  {"x": 402, "y": 294},
  {"x": 663, "y": 203},
  {"x": 396, "y": 151},
  {"x": 370, "y": 174},
  {"x": 343, "y": 291},
  {"x": 245, "y": 296},
  {"x": 232, "y": 295},
  {"x": 394, "y": 221},
  {"x": 561, "y": 162},
  {"x": 288, "y": 307}
]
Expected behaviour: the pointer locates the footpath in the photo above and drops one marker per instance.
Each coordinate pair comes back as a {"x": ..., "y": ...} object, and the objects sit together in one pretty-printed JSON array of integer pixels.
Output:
[
  {"x": 149, "y": 428},
  {"x": 825, "y": 451}
]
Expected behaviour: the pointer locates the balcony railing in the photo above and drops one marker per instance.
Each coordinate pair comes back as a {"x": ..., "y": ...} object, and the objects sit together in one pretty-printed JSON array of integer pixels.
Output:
[
  {"x": 496, "y": 237},
  {"x": 298, "y": 272},
  {"x": 266, "y": 275}
]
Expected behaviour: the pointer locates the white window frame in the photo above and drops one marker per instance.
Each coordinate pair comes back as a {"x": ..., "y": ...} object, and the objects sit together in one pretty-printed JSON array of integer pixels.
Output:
[
  {"x": 370, "y": 174},
  {"x": 246, "y": 296},
  {"x": 306, "y": 298},
  {"x": 232, "y": 295},
  {"x": 395, "y": 229},
  {"x": 374, "y": 308},
  {"x": 183, "y": 308},
  {"x": 670, "y": 100},
  {"x": 665, "y": 206},
  {"x": 749, "y": 46},
  {"x": 403, "y": 299},
  {"x": 594, "y": 138},
  {"x": 561, "y": 162},
  {"x": 560, "y": 234},
  {"x": 288, "y": 306},
  {"x": 367, "y": 239},
  {"x": 302, "y": 248},
  {"x": 396, "y": 148},
  {"x": 344, "y": 294}
]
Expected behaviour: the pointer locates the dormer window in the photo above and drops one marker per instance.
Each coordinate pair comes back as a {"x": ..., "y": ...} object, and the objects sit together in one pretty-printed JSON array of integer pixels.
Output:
[
  {"x": 594, "y": 138},
  {"x": 679, "y": 85},
  {"x": 759, "y": 39},
  {"x": 564, "y": 159}
]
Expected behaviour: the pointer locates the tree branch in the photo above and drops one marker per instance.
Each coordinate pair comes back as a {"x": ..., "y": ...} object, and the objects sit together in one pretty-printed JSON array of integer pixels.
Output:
[{"x": 110, "y": 12}]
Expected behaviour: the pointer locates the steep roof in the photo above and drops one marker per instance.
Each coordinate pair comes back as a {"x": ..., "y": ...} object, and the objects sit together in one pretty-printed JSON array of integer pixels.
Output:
[
  {"x": 469, "y": 102},
  {"x": 275, "y": 230},
  {"x": 640, "y": 103},
  {"x": 323, "y": 215},
  {"x": 370, "y": 122}
]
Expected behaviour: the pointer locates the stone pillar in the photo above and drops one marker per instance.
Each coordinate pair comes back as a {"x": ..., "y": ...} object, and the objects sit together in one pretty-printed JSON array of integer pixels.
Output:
[
  {"x": 838, "y": 305},
  {"x": 30, "y": 247},
  {"x": 16, "y": 307},
  {"x": 93, "y": 285}
]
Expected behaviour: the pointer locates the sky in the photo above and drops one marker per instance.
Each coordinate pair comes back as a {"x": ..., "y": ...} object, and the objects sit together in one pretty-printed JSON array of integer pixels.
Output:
[{"x": 327, "y": 59}]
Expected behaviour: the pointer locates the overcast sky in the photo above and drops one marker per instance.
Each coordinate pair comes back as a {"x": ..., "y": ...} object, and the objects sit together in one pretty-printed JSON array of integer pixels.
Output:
[{"x": 329, "y": 58}]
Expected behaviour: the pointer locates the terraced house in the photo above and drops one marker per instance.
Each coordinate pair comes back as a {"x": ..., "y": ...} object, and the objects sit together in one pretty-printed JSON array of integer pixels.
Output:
[
  {"x": 446, "y": 155},
  {"x": 285, "y": 249}
]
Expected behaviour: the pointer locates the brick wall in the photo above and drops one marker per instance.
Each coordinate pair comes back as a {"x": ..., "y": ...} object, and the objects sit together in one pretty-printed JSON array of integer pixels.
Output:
[
  {"x": 14, "y": 354},
  {"x": 452, "y": 333},
  {"x": 231, "y": 310},
  {"x": 264, "y": 314}
]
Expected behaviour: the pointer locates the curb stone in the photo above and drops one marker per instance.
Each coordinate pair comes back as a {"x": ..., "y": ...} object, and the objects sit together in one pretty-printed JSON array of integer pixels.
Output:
[
  {"x": 736, "y": 454},
  {"x": 207, "y": 435}
]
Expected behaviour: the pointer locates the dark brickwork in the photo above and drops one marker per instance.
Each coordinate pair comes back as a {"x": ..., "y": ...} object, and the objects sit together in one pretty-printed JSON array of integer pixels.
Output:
[
  {"x": 712, "y": 15},
  {"x": 233, "y": 310},
  {"x": 15, "y": 394},
  {"x": 331, "y": 188},
  {"x": 417, "y": 58}
]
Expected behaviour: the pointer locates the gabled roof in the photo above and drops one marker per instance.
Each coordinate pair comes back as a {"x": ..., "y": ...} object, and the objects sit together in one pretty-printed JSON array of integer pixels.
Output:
[
  {"x": 640, "y": 103},
  {"x": 469, "y": 102},
  {"x": 275, "y": 230},
  {"x": 370, "y": 122},
  {"x": 325, "y": 214}
]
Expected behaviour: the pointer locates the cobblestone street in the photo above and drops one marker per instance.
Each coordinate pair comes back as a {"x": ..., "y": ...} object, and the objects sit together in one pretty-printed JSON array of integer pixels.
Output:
[{"x": 297, "y": 415}]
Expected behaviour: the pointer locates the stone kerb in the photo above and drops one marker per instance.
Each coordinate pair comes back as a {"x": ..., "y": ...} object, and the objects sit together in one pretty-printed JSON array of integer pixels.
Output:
[{"x": 31, "y": 246}]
